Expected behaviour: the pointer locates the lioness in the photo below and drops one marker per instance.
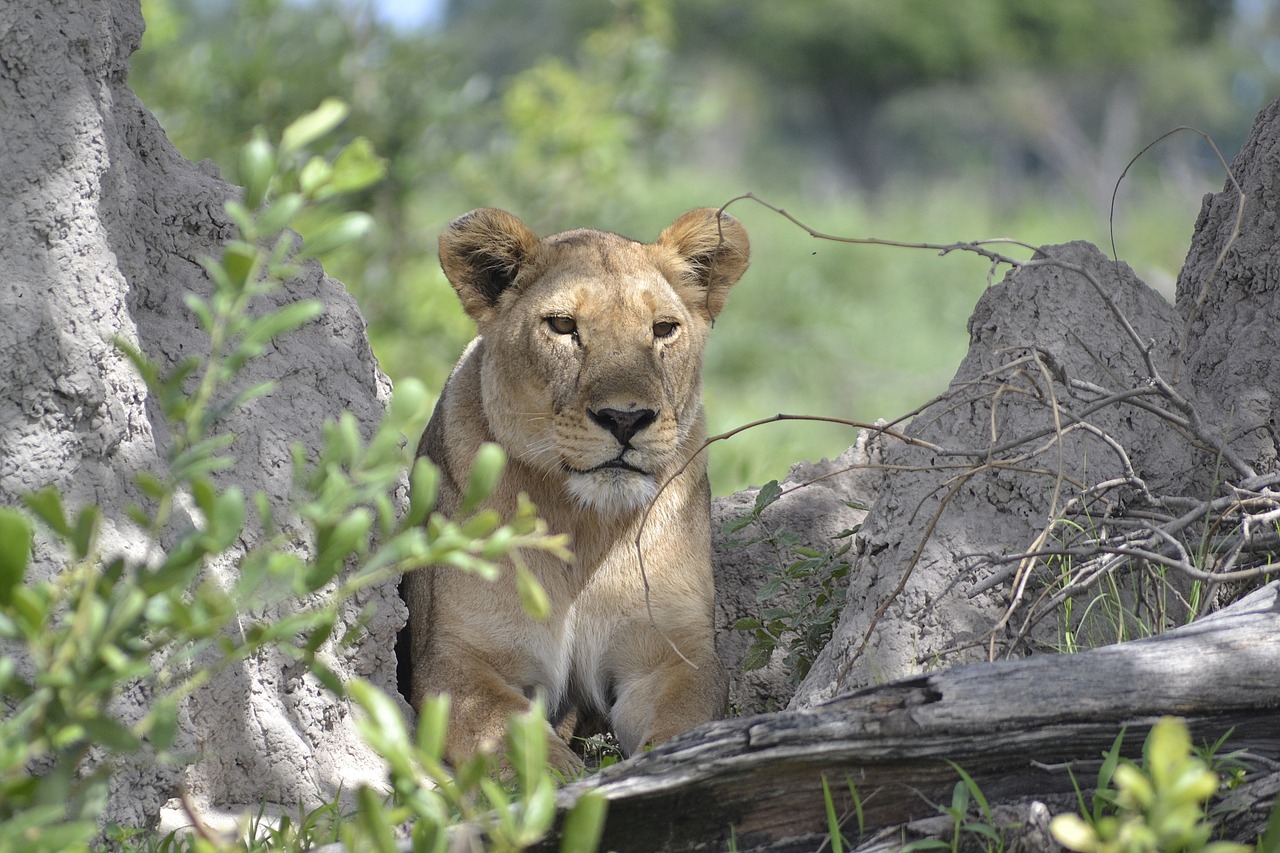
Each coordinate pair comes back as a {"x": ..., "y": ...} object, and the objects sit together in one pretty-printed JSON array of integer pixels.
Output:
[{"x": 586, "y": 369}]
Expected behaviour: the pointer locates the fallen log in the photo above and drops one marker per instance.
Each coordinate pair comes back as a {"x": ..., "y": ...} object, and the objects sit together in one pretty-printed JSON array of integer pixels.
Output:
[{"x": 1016, "y": 727}]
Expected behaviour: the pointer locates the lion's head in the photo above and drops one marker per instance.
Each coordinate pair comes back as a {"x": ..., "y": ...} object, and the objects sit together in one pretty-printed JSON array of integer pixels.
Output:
[{"x": 593, "y": 344}]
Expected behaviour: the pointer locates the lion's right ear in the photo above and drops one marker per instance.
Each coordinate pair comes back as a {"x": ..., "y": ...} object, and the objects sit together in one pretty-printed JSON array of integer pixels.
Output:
[{"x": 482, "y": 252}]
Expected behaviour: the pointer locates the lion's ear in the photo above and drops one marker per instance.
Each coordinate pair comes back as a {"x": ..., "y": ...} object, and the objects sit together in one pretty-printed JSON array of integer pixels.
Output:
[
  {"x": 714, "y": 251},
  {"x": 482, "y": 252}
]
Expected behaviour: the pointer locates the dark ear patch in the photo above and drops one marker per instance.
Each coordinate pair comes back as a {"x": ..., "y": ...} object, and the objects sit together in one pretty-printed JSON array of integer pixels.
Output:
[
  {"x": 482, "y": 253},
  {"x": 713, "y": 252},
  {"x": 491, "y": 275}
]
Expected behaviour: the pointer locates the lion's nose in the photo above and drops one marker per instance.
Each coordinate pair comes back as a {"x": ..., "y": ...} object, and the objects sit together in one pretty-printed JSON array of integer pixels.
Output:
[{"x": 623, "y": 425}]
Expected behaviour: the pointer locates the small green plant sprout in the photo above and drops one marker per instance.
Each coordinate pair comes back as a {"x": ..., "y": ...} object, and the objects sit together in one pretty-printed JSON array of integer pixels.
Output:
[
  {"x": 808, "y": 586},
  {"x": 1231, "y": 766},
  {"x": 983, "y": 832},
  {"x": 1158, "y": 807},
  {"x": 836, "y": 821},
  {"x": 468, "y": 800}
]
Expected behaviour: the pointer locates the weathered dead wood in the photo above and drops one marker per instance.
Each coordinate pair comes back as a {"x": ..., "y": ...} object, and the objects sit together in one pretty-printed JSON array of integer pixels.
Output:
[{"x": 1014, "y": 726}]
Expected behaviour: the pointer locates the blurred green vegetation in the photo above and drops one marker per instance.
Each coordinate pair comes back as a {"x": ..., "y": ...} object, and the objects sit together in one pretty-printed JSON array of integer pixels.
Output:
[{"x": 915, "y": 121}]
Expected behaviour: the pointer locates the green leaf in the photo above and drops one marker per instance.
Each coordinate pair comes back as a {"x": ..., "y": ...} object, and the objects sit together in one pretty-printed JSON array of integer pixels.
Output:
[
  {"x": 270, "y": 326},
  {"x": 334, "y": 544},
  {"x": 757, "y": 657},
  {"x": 277, "y": 216},
  {"x": 338, "y": 232},
  {"x": 8, "y": 668},
  {"x": 355, "y": 168},
  {"x": 242, "y": 217},
  {"x": 200, "y": 308},
  {"x": 147, "y": 369},
  {"x": 204, "y": 495},
  {"x": 239, "y": 260},
  {"x": 202, "y": 458},
  {"x": 584, "y": 823},
  {"x": 833, "y": 819},
  {"x": 177, "y": 571},
  {"x": 217, "y": 413},
  {"x": 433, "y": 724},
  {"x": 111, "y": 734},
  {"x": 424, "y": 481},
  {"x": 733, "y": 525},
  {"x": 386, "y": 512},
  {"x": 321, "y": 632},
  {"x": 83, "y": 535},
  {"x": 15, "y": 551},
  {"x": 482, "y": 524},
  {"x": 308, "y": 128},
  {"x": 349, "y": 441},
  {"x": 1110, "y": 759},
  {"x": 164, "y": 723},
  {"x": 30, "y": 608},
  {"x": 1269, "y": 841},
  {"x": 227, "y": 520},
  {"x": 533, "y": 598},
  {"x": 499, "y": 544},
  {"x": 1166, "y": 750},
  {"x": 265, "y": 517},
  {"x": 768, "y": 493},
  {"x": 47, "y": 505},
  {"x": 486, "y": 472},
  {"x": 410, "y": 404},
  {"x": 314, "y": 175},
  {"x": 378, "y": 835},
  {"x": 328, "y": 678},
  {"x": 256, "y": 168},
  {"x": 539, "y": 809},
  {"x": 149, "y": 484},
  {"x": 976, "y": 791},
  {"x": 381, "y": 714}
]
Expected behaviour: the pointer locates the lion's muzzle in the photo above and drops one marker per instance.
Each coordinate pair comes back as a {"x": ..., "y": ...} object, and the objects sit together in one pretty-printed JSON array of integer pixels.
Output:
[{"x": 623, "y": 424}]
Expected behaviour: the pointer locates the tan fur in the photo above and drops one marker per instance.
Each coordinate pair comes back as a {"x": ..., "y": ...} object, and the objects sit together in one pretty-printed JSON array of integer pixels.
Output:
[{"x": 532, "y": 389}]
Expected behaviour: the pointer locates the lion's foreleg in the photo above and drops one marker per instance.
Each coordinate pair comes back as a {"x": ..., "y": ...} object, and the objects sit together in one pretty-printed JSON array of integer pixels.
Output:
[
  {"x": 667, "y": 695},
  {"x": 482, "y": 702}
]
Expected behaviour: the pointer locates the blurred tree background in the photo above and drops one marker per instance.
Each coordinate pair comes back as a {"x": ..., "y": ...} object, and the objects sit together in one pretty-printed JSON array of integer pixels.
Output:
[{"x": 913, "y": 120}]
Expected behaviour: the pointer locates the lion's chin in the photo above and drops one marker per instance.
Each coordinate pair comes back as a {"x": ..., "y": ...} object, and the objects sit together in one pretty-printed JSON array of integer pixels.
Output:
[{"x": 613, "y": 491}]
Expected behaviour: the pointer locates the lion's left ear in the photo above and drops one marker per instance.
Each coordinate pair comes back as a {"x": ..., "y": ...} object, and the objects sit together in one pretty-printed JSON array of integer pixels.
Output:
[{"x": 713, "y": 250}]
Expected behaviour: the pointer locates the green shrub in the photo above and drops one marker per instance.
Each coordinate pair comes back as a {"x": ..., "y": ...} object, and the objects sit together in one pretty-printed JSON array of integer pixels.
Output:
[
  {"x": 105, "y": 624},
  {"x": 802, "y": 599},
  {"x": 1155, "y": 807}
]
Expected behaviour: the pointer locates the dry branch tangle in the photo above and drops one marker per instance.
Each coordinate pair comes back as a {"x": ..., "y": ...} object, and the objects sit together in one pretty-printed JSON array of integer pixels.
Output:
[
  {"x": 1023, "y": 429},
  {"x": 1078, "y": 427},
  {"x": 1071, "y": 435}
]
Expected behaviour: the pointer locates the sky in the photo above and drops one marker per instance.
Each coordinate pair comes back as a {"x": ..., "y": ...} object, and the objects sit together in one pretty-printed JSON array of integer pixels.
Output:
[{"x": 410, "y": 13}]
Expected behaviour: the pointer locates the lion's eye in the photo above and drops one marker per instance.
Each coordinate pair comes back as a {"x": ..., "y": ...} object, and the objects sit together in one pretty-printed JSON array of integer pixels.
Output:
[
  {"x": 562, "y": 325},
  {"x": 664, "y": 329}
]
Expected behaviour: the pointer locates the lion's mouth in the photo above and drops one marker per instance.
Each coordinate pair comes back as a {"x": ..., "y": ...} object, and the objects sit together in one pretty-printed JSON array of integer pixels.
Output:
[
  {"x": 612, "y": 465},
  {"x": 618, "y": 464}
]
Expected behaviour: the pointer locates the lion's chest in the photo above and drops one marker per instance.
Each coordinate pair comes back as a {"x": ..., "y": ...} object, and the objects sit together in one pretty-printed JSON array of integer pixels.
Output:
[
  {"x": 569, "y": 660},
  {"x": 572, "y": 651}
]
